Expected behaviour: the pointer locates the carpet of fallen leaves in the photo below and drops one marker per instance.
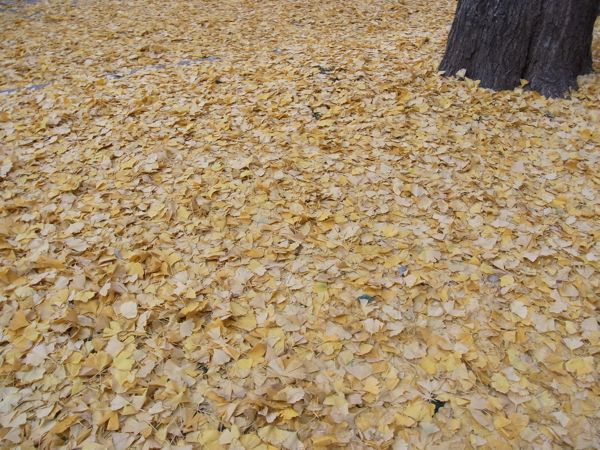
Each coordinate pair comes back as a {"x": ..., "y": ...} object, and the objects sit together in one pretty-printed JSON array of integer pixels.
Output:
[{"x": 262, "y": 225}]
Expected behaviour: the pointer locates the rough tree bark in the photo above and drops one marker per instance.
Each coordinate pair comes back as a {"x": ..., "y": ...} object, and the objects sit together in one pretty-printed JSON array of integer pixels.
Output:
[{"x": 500, "y": 42}]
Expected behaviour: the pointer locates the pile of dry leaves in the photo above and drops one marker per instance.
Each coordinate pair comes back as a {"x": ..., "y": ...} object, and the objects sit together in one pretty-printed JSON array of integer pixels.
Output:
[{"x": 257, "y": 225}]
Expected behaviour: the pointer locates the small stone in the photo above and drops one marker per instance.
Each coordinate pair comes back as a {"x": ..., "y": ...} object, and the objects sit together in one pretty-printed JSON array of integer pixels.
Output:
[
  {"x": 493, "y": 278},
  {"x": 368, "y": 298}
]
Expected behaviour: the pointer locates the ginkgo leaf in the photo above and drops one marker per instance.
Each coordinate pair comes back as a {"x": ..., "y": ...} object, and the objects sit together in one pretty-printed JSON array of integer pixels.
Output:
[{"x": 129, "y": 310}]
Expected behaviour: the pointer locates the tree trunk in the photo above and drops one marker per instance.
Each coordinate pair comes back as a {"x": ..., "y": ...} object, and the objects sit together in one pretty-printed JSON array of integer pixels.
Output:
[{"x": 500, "y": 42}]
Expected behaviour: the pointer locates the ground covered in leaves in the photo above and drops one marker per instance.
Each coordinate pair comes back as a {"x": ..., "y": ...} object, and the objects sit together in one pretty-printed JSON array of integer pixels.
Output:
[{"x": 260, "y": 225}]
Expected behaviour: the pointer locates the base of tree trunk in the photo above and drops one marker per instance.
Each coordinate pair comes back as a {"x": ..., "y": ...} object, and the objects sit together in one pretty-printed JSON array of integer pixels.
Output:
[{"x": 500, "y": 42}]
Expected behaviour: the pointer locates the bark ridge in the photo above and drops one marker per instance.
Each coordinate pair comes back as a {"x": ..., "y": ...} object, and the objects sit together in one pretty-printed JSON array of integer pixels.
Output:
[{"x": 500, "y": 42}]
